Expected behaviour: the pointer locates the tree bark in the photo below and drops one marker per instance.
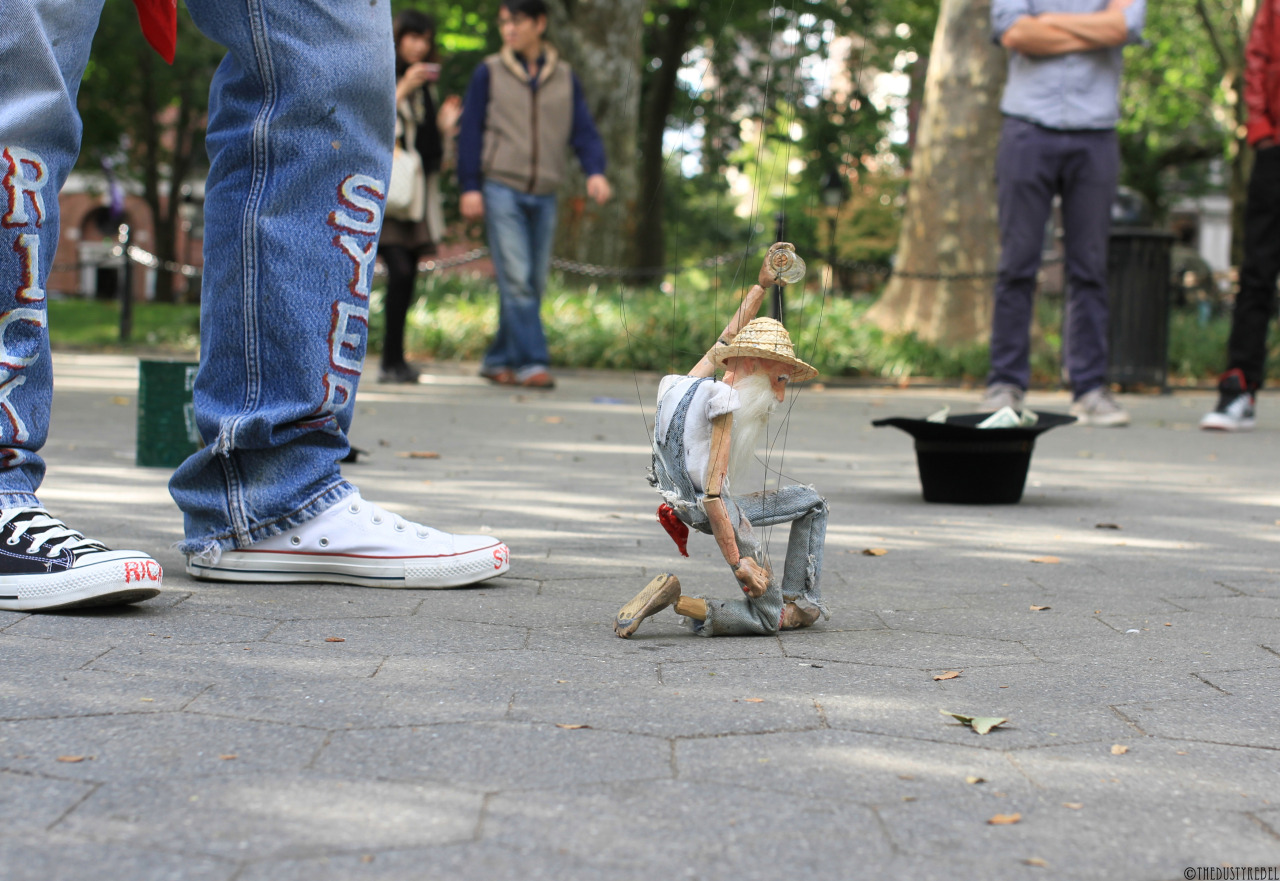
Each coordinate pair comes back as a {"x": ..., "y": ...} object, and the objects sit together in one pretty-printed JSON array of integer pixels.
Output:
[
  {"x": 950, "y": 224},
  {"x": 601, "y": 40},
  {"x": 671, "y": 43}
]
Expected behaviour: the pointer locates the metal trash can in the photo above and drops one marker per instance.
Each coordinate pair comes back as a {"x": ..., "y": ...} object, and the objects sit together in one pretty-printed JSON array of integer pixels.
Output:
[
  {"x": 1139, "y": 264},
  {"x": 167, "y": 432}
]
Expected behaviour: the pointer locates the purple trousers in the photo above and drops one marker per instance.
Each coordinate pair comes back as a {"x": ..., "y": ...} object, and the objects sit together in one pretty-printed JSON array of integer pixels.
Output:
[{"x": 1032, "y": 166}]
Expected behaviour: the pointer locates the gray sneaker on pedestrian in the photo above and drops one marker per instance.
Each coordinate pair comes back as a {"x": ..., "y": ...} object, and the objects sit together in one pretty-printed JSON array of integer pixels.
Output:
[
  {"x": 1000, "y": 395},
  {"x": 1098, "y": 407}
]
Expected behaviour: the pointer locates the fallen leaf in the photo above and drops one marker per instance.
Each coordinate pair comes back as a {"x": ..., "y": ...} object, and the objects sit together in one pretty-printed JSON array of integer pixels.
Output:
[
  {"x": 120, "y": 400},
  {"x": 906, "y": 777},
  {"x": 1106, "y": 526},
  {"x": 367, "y": 858},
  {"x": 1119, "y": 750},
  {"x": 147, "y": 700},
  {"x": 973, "y": 779},
  {"x": 753, "y": 700},
  {"x": 1041, "y": 608},
  {"x": 1168, "y": 624},
  {"x": 570, "y": 727},
  {"x": 1045, "y": 560},
  {"x": 334, "y": 639},
  {"x": 553, "y": 420},
  {"x": 1074, "y": 805},
  {"x": 1004, "y": 819},
  {"x": 950, "y": 674},
  {"x": 874, "y": 552},
  {"x": 561, "y": 681},
  {"x": 228, "y": 757},
  {"x": 419, "y": 454},
  {"x": 1036, "y": 861},
  {"x": 980, "y": 724},
  {"x": 71, "y": 759},
  {"x": 908, "y": 798}
]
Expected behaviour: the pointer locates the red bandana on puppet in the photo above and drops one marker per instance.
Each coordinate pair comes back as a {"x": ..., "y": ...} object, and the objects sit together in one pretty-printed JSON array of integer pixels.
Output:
[
  {"x": 159, "y": 20},
  {"x": 675, "y": 527}
]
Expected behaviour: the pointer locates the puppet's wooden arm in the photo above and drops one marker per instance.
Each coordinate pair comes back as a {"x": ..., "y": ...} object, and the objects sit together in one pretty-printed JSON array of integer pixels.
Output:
[
  {"x": 752, "y": 577},
  {"x": 747, "y": 310}
]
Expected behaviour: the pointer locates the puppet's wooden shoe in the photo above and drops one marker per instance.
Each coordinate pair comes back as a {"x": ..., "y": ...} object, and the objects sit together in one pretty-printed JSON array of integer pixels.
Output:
[
  {"x": 656, "y": 596},
  {"x": 794, "y": 617}
]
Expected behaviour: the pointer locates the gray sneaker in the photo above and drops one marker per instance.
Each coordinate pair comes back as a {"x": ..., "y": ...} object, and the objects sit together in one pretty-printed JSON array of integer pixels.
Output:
[
  {"x": 1098, "y": 407},
  {"x": 1000, "y": 395}
]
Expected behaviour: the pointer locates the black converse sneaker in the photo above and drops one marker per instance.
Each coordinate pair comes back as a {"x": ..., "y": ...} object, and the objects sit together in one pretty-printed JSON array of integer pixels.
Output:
[{"x": 47, "y": 565}]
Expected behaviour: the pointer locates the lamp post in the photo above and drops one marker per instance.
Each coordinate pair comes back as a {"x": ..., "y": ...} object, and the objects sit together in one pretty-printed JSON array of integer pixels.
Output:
[{"x": 833, "y": 196}]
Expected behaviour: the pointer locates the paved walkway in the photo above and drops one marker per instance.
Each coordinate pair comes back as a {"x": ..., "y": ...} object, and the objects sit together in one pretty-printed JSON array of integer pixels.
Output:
[{"x": 504, "y": 732}]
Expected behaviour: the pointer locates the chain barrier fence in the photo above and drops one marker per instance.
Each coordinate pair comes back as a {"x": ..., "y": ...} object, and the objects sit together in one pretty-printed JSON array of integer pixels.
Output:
[{"x": 882, "y": 270}]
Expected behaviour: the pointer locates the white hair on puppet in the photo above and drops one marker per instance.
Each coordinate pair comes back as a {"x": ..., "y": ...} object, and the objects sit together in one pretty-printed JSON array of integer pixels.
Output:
[{"x": 757, "y": 404}]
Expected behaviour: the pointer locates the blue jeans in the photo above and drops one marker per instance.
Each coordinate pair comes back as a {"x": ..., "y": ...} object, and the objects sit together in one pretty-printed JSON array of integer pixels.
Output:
[
  {"x": 301, "y": 122},
  {"x": 520, "y": 227},
  {"x": 1032, "y": 165}
]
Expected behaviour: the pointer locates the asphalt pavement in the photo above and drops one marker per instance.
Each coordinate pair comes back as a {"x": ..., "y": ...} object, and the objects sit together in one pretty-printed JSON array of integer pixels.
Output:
[{"x": 1124, "y": 619}]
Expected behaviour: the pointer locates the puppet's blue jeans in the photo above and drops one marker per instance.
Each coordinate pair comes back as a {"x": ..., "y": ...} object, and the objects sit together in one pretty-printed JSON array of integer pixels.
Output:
[
  {"x": 301, "y": 121},
  {"x": 806, "y": 511}
]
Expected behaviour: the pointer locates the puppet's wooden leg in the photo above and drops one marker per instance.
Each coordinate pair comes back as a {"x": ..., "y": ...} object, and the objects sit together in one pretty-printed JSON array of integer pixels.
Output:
[
  {"x": 656, "y": 596},
  {"x": 794, "y": 617},
  {"x": 692, "y": 607}
]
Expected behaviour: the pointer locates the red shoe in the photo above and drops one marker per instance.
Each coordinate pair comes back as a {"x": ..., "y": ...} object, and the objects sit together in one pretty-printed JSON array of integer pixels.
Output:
[
  {"x": 541, "y": 379},
  {"x": 500, "y": 376}
]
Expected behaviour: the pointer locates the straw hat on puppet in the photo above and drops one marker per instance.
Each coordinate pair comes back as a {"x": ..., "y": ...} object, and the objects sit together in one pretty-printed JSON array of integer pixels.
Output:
[{"x": 765, "y": 338}]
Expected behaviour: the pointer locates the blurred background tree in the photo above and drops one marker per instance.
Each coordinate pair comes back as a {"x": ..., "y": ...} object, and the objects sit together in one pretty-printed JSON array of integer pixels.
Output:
[{"x": 148, "y": 119}]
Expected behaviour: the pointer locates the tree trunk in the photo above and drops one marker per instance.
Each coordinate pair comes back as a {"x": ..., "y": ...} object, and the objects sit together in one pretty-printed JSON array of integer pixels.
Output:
[
  {"x": 672, "y": 42},
  {"x": 602, "y": 41},
  {"x": 950, "y": 223}
]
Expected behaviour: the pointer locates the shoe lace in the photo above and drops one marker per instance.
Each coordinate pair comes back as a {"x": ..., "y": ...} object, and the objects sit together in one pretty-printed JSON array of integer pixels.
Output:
[
  {"x": 43, "y": 530},
  {"x": 380, "y": 515}
]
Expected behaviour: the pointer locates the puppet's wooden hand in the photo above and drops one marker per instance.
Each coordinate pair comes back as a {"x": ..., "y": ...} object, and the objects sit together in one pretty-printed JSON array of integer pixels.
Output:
[{"x": 752, "y": 577}]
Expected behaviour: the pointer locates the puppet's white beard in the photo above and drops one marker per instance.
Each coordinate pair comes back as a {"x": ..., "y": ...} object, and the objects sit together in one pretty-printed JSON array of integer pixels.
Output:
[{"x": 749, "y": 422}]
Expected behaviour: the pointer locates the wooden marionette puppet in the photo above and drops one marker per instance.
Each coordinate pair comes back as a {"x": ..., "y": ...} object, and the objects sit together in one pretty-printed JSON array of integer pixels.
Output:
[{"x": 705, "y": 435}]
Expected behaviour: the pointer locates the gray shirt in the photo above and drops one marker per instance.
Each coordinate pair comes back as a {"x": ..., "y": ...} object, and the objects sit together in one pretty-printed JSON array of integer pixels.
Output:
[{"x": 1079, "y": 90}]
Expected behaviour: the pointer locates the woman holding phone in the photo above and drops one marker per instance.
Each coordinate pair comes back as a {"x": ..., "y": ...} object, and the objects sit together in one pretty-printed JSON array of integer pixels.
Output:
[{"x": 422, "y": 124}]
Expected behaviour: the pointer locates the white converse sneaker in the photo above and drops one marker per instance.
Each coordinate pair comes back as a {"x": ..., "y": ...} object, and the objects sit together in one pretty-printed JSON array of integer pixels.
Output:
[
  {"x": 47, "y": 565},
  {"x": 357, "y": 542}
]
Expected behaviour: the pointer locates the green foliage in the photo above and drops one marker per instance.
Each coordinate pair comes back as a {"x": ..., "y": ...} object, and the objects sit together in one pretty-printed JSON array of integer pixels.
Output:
[{"x": 95, "y": 325}]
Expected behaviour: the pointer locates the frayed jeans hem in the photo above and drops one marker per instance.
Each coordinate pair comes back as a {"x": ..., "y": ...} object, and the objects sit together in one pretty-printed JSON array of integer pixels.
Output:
[{"x": 257, "y": 532}]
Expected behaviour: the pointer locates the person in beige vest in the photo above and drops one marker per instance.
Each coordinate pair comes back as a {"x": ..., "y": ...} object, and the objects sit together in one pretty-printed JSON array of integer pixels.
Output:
[{"x": 524, "y": 109}]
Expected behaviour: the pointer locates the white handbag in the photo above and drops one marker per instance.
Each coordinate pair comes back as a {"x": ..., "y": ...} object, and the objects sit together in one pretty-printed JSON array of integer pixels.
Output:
[{"x": 407, "y": 190}]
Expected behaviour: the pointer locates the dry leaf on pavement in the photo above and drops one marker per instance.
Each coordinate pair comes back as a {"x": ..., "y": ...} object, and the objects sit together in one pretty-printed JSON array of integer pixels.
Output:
[
  {"x": 1119, "y": 750},
  {"x": 419, "y": 454},
  {"x": 1041, "y": 608},
  {"x": 950, "y": 674},
  {"x": 228, "y": 757},
  {"x": 1073, "y": 805},
  {"x": 1004, "y": 819},
  {"x": 570, "y": 726},
  {"x": 874, "y": 552},
  {"x": 980, "y": 724},
  {"x": 334, "y": 639},
  {"x": 973, "y": 779},
  {"x": 1106, "y": 526},
  {"x": 753, "y": 700},
  {"x": 71, "y": 759},
  {"x": 1045, "y": 560},
  {"x": 1036, "y": 861}
]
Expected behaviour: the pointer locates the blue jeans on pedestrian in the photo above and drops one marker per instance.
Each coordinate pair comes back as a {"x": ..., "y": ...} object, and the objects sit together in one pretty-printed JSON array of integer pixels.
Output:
[
  {"x": 301, "y": 121},
  {"x": 520, "y": 227},
  {"x": 1032, "y": 165}
]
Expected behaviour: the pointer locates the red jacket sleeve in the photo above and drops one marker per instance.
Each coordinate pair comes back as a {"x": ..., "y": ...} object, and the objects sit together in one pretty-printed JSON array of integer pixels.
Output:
[
  {"x": 159, "y": 20},
  {"x": 1259, "y": 56}
]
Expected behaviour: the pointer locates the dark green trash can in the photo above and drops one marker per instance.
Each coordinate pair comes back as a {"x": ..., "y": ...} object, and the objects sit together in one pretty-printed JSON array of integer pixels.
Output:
[
  {"x": 1139, "y": 265},
  {"x": 167, "y": 432}
]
